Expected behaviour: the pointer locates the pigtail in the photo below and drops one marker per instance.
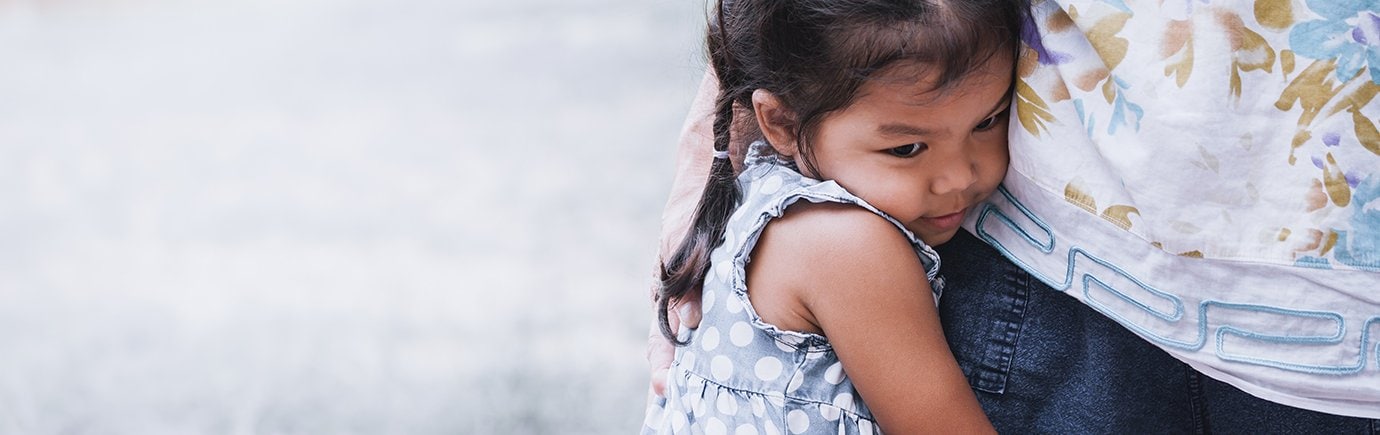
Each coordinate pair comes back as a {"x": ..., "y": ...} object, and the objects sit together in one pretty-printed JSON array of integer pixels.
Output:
[
  {"x": 683, "y": 273},
  {"x": 814, "y": 55}
]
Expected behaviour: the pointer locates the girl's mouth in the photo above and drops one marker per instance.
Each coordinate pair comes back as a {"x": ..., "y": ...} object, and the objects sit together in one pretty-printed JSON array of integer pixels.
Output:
[{"x": 946, "y": 222}]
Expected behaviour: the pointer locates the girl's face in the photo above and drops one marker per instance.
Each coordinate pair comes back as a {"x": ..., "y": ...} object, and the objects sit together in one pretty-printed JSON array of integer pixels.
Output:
[{"x": 923, "y": 157}]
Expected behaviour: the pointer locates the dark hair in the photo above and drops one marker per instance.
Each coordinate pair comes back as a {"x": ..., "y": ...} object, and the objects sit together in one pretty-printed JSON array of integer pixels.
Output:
[{"x": 814, "y": 55}]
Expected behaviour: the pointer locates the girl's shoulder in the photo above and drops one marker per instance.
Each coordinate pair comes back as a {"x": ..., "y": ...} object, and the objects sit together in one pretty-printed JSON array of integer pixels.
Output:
[
  {"x": 828, "y": 254},
  {"x": 848, "y": 239},
  {"x": 817, "y": 221},
  {"x": 805, "y": 236}
]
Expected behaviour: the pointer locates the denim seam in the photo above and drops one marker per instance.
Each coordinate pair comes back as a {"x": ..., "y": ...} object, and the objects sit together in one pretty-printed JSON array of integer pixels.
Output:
[
  {"x": 1197, "y": 405},
  {"x": 996, "y": 367},
  {"x": 989, "y": 370}
]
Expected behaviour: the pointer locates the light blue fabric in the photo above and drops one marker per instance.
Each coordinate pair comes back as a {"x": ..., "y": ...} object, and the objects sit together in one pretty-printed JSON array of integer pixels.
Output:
[{"x": 739, "y": 374}]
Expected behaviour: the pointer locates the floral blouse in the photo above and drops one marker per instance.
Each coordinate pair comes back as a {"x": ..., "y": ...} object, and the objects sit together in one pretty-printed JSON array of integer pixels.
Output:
[{"x": 1207, "y": 173}]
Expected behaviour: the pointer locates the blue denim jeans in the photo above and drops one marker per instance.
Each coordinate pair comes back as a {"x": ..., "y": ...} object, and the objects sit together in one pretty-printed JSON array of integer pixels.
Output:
[{"x": 1042, "y": 362}]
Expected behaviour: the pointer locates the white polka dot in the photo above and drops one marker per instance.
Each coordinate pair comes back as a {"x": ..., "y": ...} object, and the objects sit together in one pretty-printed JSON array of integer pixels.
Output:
[
  {"x": 721, "y": 367},
  {"x": 795, "y": 382},
  {"x": 745, "y": 429},
  {"x": 759, "y": 406},
  {"x": 865, "y": 427},
  {"x": 770, "y": 185},
  {"x": 784, "y": 346},
  {"x": 722, "y": 269},
  {"x": 707, "y": 301},
  {"x": 710, "y": 339},
  {"x": 844, "y": 401},
  {"x": 797, "y": 421},
  {"x": 768, "y": 368},
  {"x": 730, "y": 239},
  {"x": 770, "y": 428},
  {"x": 701, "y": 405},
  {"x": 734, "y": 305},
  {"x": 678, "y": 422},
  {"x": 715, "y": 427},
  {"x": 727, "y": 404},
  {"x": 687, "y": 359},
  {"x": 829, "y": 413},
  {"x": 834, "y": 374},
  {"x": 740, "y": 334}
]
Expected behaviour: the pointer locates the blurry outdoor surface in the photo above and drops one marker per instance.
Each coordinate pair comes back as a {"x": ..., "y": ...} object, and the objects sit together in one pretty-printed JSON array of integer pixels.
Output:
[{"x": 333, "y": 216}]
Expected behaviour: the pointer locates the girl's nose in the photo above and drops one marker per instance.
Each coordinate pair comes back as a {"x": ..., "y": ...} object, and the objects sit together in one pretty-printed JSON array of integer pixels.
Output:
[{"x": 956, "y": 175}]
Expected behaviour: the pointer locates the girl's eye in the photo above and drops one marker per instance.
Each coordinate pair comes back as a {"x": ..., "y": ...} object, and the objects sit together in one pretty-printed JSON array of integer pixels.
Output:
[
  {"x": 906, "y": 151},
  {"x": 988, "y": 123}
]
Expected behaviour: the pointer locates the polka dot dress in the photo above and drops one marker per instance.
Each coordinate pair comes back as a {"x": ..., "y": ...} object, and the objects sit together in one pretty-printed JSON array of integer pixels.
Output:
[{"x": 739, "y": 375}]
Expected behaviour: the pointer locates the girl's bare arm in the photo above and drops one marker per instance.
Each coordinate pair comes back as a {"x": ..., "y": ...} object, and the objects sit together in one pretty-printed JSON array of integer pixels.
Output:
[{"x": 848, "y": 273}]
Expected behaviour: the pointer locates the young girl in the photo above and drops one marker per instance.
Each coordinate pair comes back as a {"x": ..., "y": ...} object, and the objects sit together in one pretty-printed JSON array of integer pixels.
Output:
[{"x": 881, "y": 122}]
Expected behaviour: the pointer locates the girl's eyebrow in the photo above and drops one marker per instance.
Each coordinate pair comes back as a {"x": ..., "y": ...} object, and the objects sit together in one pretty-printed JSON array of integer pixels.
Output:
[{"x": 898, "y": 129}]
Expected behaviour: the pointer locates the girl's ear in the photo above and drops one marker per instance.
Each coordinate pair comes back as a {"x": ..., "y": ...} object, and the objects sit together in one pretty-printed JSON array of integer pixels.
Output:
[{"x": 776, "y": 121}]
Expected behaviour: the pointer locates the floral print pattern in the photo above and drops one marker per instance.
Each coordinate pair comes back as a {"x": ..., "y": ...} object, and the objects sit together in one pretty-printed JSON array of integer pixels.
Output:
[
  {"x": 1348, "y": 34},
  {"x": 1314, "y": 62},
  {"x": 1206, "y": 173}
]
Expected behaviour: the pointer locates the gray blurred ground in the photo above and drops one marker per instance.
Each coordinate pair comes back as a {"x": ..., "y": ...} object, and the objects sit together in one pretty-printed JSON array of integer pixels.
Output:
[{"x": 333, "y": 216}]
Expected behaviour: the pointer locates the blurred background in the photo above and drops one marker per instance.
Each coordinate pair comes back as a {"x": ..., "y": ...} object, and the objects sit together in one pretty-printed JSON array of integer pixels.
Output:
[{"x": 333, "y": 216}]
